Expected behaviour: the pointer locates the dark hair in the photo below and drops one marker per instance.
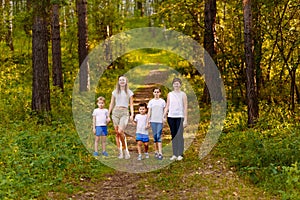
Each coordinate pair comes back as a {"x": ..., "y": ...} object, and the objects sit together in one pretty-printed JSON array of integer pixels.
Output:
[
  {"x": 177, "y": 80},
  {"x": 143, "y": 105},
  {"x": 156, "y": 89}
]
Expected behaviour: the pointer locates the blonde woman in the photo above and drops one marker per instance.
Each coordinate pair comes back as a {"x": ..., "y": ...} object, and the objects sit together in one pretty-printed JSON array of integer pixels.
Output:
[{"x": 122, "y": 97}]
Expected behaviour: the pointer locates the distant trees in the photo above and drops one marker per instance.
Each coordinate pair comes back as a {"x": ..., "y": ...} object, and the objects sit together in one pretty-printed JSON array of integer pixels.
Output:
[{"x": 258, "y": 56}]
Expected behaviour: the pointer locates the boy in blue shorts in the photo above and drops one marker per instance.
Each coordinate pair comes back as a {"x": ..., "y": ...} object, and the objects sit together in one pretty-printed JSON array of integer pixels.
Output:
[
  {"x": 142, "y": 136},
  {"x": 100, "y": 121}
]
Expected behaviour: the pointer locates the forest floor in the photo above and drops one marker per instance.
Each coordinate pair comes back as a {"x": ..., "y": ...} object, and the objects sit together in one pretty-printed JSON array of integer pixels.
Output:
[{"x": 191, "y": 178}]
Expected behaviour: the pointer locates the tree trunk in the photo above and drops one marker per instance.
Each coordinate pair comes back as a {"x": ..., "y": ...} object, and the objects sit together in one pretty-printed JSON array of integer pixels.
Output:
[
  {"x": 57, "y": 74},
  {"x": 258, "y": 42},
  {"x": 40, "y": 84},
  {"x": 81, "y": 6},
  {"x": 8, "y": 17},
  {"x": 252, "y": 101},
  {"x": 212, "y": 90}
]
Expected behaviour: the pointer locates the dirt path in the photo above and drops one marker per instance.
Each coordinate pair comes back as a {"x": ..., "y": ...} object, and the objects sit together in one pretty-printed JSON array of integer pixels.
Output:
[{"x": 205, "y": 179}]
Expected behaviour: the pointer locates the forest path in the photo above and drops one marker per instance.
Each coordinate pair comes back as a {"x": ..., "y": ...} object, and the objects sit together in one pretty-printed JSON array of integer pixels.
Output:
[{"x": 190, "y": 178}]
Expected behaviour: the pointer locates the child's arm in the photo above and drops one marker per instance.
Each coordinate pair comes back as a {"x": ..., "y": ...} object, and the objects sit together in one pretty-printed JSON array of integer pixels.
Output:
[
  {"x": 94, "y": 124},
  {"x": 107, "y": 118},
  {"x": 148, "y": 117}
]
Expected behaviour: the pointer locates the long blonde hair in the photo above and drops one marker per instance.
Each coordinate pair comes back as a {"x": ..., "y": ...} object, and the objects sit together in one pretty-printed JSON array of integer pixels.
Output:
[{"x": 118, "y": 88}]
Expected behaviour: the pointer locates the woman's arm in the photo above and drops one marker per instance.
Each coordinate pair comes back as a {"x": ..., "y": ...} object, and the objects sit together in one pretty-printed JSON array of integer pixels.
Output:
[
  {"x": 131, "y": 108},
  {"x": 111, "y": 105},
  {"x": 185, "y": 108},
  {"x": 167, "y": 107}
]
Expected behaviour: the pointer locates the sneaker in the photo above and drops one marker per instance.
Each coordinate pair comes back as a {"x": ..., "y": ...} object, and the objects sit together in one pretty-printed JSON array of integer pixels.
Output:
[
  {"x": 156, "y": 155},
  {"x": 120, "y": 155},
  {"x": 127, "y": 155},
  {"x": 160, "y": 157},
  {"x": 179, "y": 158},
  {"x": 96, "y": 153},
  {"x": 173, "y": 157},
  {"x": 146, "y": 155},
  {"x": 139, "y": 157},
  {"x": 104, "y": 153}
]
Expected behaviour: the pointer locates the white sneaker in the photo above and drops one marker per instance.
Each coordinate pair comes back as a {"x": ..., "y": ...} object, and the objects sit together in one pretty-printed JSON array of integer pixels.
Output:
[
  {"x": 120, "y": 154},
  {"x": 146, "y": 155},
  {"x": 127, "y": 155},
  {"x": 173, "y": 157},
  {"x": 179, "y": 158},
  {"x": 139, "y": 157}
]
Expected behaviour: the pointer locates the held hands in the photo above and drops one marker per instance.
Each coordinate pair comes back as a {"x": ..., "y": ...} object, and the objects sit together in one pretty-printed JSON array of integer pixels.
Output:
[
  {"x": 185, "y": 123},
  {"x": 131, "y": 117}
]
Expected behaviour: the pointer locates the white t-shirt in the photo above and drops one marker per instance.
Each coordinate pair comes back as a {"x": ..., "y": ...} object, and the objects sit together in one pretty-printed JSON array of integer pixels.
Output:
[
  {"x": 141, "y": 124},
  {"x": 122, "y": 99},
  {"x": 101, "y": 115},
  {"x": 157, "y": 110},
  {"x": 176, "y": 108}
]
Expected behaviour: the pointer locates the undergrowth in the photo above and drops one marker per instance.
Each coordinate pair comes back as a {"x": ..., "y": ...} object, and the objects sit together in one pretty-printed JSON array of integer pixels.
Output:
[{"x": 268, "y": 155}]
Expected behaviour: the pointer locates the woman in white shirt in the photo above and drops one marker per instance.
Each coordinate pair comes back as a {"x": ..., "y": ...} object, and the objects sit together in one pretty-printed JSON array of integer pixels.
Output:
[
  {"x": 122, "y": 97},
  {"x": 176, "y": 109}
]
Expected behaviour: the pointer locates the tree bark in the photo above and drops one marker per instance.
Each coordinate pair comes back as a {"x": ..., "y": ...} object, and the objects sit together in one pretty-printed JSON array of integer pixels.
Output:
[
  {"x": 81, "y": 6},
  {"x": 40, "y": 83},
  {"x": 57, "y": 74},
  {"x": 252, "y": 102},
  {"x": 212, "y": 90}
]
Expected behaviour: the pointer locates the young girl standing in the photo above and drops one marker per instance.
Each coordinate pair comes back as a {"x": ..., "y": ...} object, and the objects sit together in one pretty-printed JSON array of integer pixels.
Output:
[
  {"x": 122, "y": 97},
  {"x": 177, "y": 118},
  {"x": 155, "y": 118}
]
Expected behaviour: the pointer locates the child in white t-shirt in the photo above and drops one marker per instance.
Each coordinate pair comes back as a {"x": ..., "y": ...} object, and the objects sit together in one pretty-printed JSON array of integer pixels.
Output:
[
  {"x": 155, "y": 118},
  {"x": 100, "y": 121},
  {"x": 142, "y": 136}
]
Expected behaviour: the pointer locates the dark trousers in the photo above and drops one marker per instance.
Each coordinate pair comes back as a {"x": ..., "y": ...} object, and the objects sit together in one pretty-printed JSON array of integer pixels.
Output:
[{"x": 176, "y": 127}]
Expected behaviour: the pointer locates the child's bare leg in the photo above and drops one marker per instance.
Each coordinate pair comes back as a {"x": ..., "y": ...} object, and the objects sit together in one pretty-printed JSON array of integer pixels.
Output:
[
  {"x": 103, "y": 141},
  {"x": 96, "y": 143},
  {"x": 156, "y": 147},
  {"x": 159, "y": 144},
  {"x": 146, "y": 147},
  {"x": 139, "y": 147}
]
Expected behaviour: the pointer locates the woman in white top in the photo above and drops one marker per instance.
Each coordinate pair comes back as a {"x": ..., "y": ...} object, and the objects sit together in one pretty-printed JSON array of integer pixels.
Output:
[
  {"x": 176, "y": 109},
  {"x": 122, "y": 96}
]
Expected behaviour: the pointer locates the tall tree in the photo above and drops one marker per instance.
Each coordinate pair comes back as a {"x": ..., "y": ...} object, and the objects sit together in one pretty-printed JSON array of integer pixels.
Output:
[
  {"x": 252, "y": 102},
  {"x": 8, "y": 17},
  {"x": 40, "y": 83},
  {"x": 81, "y": 6},
  {"x": 57, "y": 74},
  {"x": 212, "y": 78}
]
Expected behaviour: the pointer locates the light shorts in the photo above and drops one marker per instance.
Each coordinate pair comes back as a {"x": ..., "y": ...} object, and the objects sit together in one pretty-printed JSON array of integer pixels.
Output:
[
  {"x": 101, "y": 130},
  {"x": 142, "y": 137},
  {"x": 120, "y": 117}
]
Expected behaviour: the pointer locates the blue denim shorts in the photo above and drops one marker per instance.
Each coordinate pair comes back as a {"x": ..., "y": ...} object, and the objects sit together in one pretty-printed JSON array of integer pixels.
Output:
[
  {"x": 142, "y": 137},
  {"x": 101, "y": 130},
  {"x": 156, "y": 130}
]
